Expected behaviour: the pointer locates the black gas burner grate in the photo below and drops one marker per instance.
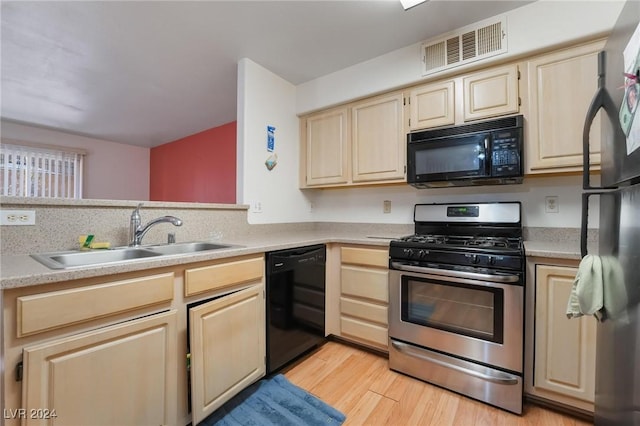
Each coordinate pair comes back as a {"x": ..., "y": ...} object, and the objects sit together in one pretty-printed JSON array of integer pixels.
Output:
[{"x": 464, "y": 240}]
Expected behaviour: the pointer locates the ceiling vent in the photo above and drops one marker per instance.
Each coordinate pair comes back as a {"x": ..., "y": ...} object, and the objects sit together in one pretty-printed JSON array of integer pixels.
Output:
[{"x": 468, "y": 44}]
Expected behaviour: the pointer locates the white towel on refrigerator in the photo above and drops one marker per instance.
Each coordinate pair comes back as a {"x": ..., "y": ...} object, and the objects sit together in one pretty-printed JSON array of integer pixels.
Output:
[{"x": 598, "y": 289}]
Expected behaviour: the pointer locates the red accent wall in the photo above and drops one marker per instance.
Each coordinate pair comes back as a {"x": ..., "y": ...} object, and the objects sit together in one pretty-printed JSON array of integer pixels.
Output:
[{"x": 199, "y": 168}]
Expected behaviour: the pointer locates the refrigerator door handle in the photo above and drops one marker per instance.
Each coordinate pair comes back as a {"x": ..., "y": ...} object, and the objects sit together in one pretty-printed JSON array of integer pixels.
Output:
[
  {"x": 585, "y": 220},
  {"x": 601, "y": 100}
]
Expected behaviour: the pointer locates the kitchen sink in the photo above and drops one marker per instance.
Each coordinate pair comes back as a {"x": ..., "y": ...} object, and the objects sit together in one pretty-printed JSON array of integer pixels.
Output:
[
  {"x": 185, "y": 248},
  {"x": 74, "y": 259},
  {"x": 70, "y": 259}
]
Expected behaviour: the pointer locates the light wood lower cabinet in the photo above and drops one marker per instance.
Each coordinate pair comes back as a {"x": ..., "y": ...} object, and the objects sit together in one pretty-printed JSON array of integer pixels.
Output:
[
  {"x": 112, "y": 350},
  {"x": 364, "y": 295},
  {"x": 124, "y": 374},
  {"x": 565, "y": 349},
  {"x": 227, "y": 337}
]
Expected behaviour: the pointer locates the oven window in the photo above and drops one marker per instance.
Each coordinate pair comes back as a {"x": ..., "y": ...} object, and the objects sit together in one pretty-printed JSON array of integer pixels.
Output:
[{"x": 458, "y": 308}]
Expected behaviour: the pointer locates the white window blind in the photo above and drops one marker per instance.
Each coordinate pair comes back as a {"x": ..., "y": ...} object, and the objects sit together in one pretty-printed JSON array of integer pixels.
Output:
[{"x": 27, "y": 171}]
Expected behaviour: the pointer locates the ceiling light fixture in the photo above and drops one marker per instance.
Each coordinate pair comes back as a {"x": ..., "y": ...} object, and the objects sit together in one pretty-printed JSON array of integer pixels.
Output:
[{"x": 408, "y": 4}]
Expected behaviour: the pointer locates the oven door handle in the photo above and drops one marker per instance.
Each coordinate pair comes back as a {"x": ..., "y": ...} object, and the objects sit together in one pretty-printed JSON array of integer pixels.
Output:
[
  {"x": 501, "y": 378},
  {"x": 502, "y": 278}
]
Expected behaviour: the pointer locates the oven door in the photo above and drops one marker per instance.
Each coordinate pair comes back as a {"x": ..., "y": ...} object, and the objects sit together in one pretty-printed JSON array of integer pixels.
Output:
[
  {"x": 438, "y": 160},
  {"x": 478, "y": 317}
]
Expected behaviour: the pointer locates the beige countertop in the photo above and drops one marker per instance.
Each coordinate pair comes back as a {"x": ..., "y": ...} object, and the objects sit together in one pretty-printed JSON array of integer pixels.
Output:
[
  {"x": 557, "y": 250},
  {"x": 23, "y": 271}
]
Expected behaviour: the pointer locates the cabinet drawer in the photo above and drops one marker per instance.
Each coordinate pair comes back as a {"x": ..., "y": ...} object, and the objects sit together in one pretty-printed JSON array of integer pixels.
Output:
[
  {"x": 224, "y": 274},
  {"x": 364, "y": 310},
  {"x": 365, "y": 256},
  {"x": 367, "y": 283},
  {"x": 56, "y": 309},
  {"x": 365, "y": 331}
]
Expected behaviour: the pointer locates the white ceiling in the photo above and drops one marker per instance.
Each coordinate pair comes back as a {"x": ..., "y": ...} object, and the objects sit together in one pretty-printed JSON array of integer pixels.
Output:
[{"x": 146, "y": 72}]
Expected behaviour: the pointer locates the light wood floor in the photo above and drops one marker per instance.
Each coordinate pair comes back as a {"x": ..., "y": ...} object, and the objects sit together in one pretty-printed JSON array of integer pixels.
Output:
[{"x": 360, "y": 384}]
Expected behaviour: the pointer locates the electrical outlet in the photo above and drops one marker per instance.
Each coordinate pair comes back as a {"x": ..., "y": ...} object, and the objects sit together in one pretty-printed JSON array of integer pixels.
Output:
[
  {"x": 386, "y": 206},
  {"x": 551, "y": 204},
  {"x": 18, "y": 217},
  {"x": 256, "y": 207}
]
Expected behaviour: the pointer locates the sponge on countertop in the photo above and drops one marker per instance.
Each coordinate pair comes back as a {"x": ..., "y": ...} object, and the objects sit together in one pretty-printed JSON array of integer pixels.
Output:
[
  {"x": 87, "y": 242},
  {"x": 101, "y": 245}
]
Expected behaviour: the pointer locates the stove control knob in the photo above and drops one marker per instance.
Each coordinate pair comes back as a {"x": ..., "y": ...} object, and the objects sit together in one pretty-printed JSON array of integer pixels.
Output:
[
  {"x": 475, "y": 259},
  {"x": 492, "y": 260},
  {"x": 408, "y": 252},
  {"x": 422, "y": 254}
]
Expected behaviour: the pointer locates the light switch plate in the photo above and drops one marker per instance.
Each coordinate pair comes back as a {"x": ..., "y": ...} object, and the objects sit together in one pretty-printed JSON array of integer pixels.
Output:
[{"x": 17, "y": 217}]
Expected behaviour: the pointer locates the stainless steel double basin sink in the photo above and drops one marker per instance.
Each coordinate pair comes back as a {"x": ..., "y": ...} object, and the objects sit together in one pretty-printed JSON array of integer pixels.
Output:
[{"x": 79, "y": 258}]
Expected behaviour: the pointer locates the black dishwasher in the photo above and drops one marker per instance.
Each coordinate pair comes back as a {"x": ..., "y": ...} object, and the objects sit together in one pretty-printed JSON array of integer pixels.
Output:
[{"x": 295, "y": 303}]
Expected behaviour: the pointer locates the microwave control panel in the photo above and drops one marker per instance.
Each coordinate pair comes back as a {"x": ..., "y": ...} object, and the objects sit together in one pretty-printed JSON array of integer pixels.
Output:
[{"x": 506, "y": 153}]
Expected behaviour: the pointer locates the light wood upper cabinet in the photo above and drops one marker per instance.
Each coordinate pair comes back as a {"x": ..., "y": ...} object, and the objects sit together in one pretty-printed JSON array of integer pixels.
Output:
[
  {"x": 491, "y": 93},
  {"x": 228, "y": 348},
  {"x": 475, "y": 96},
  {"x": 360, "y": 143},
  {"x": 560, "y": 88},
  {"x": 124, "y": 374},
  {"x": 378, "y": 149},
  {"x": 432, "y": 105},
  {"x": 565, "y": 349},
  {"x": 327, "y": 147}
]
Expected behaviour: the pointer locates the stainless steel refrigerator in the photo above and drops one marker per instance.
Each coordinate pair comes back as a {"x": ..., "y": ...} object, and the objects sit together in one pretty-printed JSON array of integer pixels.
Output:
[{"x": 617, "y": 399}]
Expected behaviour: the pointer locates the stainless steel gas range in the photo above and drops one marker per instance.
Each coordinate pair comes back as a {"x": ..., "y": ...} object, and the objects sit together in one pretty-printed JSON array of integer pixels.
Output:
[{"x": 456, "y": 302}]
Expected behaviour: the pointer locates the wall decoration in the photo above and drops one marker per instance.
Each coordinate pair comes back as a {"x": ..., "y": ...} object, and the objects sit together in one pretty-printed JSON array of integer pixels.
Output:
[{"x": 272, "y": 160}]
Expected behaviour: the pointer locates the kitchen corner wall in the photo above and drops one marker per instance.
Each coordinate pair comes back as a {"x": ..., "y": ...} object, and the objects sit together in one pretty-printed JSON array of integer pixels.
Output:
[{"x": 265, "y": 99}]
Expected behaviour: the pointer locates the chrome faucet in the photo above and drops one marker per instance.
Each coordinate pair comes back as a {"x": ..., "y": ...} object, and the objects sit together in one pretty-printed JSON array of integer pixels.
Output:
[{"x": 137, "y": 231}]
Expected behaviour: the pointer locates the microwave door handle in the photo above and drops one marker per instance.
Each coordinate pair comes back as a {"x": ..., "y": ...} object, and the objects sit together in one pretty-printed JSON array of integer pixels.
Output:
[{"x": 487, "y": 160}]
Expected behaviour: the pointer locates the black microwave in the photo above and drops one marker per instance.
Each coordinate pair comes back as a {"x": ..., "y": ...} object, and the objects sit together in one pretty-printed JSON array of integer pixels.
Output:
[{"x": 484, "y": 153}]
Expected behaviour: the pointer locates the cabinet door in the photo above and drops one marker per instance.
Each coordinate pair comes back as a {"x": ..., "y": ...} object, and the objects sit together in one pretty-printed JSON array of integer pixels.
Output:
[
  {"x": 327, "y": 147},
  {"x": 564, "y": 348},
  {"x": 432, "y": 105},
  {"x": 378, "y": 139},
  {"x": 228, "y": 348},
  {"x": 491, "y": 93},
  {"x": 124, "y": 374},
  {"x": 561, "y": 86}
]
